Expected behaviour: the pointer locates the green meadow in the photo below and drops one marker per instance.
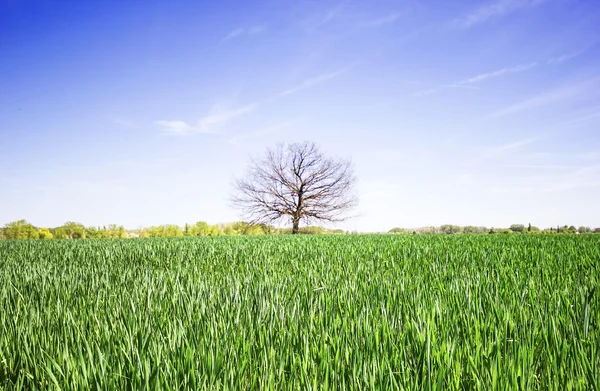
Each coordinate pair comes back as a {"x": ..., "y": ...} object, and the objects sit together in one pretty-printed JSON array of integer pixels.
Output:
[{"x": 351, "y": 312}]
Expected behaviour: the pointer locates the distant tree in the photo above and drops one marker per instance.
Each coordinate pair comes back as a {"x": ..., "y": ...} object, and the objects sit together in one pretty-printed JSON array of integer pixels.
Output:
[
  {"x": 172, "y": 230},
  {"x": 584, "y": 230},
  {"x": 240, "y": 227},
  {"x": 565, "y": 229},
  {"x": 517, "y": 228},
  {"x": 20, "y": 229},
  {"x": 450, "y": 229},
  {"x": 111, "y": 231},
  {"x": 44, "y": 233},
  {"x": 215, "y": 230},
  {"x": 296, "y": 183},
  {"x": 470, "y": 229},
  {"x": 93, "y": 233},
  {"x": 597, "y": 230},
  {"x": 74, "y": 230},
  {"x": 312, "y": 230},
  {"x": 58, "y": 233},
  {"x": 244, "y": 228},
  {"x": 106, "y": 233},
  {"x": 201, "y": 228},
  {"x": 13, "y": 229},
  {"x": 397, "y": 231},
  {"x": 254, "y": 229},
  {"x": 428, "y": 230}
]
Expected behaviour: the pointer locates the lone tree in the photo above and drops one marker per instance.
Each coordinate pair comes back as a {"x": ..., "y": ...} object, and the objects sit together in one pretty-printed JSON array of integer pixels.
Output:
[{"x": 295, "y": 183}]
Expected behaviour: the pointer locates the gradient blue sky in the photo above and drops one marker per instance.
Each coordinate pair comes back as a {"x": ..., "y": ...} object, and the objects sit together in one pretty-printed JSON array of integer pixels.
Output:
[{"x": 142, "y": 112}]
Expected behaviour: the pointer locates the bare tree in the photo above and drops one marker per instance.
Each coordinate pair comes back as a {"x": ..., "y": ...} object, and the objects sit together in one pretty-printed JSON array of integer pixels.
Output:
[{"x": 296, "y": 182}]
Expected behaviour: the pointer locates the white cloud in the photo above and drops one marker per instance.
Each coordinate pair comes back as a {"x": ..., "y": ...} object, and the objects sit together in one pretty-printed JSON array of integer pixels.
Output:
[
  {"x": 310, "y": 82},
  {"x": 257, "y": 29},
  {"x": 383, "y": 20},
  {"x": 479, "y": 78},
  {"x": 208, "y": 124},
  {"x": 320, "y": 18},
  {"x": 507, "y": 148},
  {"x": 499, "y": 72},
  {"x": 584, "y": 118},
  {"x": 220, "y": 116},
  {"x": 547, "y": 98},
  {"x": 567, "y": 57},
  {"x": 234, "y": 33},
  {"x": 461, "y": 86},
  {"x": 253, "y": 30},
  {"x": 443, "y": 87},
  {"x": 175, "y": 127},
  {"x": 495, "y": 9},
  {"x": 563, "y": 58}
]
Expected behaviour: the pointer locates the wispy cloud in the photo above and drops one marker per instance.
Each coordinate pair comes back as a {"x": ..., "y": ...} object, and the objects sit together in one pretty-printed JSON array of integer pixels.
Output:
[
  {"x": 570, "y": 56},
  {"x": 257, "y": 29},
  {"x": 383, "y": 20},
  {"x": 507, "y": 148},
  {"x": 547, "y": 98},
  {"x": 220, "y": 116},
  {"x": 234, "y": 33},
  {"x": 551, "y": 167},
  {"x": 316, "y": 20},
  {"x": 175, "y": 127},
  {"x": 311, "y": 82},
  {"x": 414, "y": 82},
  {"x": 563, "y": 58},
  {"x": 495, "y": 9},
  {"x": 433, "y": 90},
  {"x": 253, "y": 30},
  {"x": 594, "y": 115},
  {"x": 458, "y": 85},
  {"x": 208, "y": 124},
  {"x": 468, "y": 83},
  {"x": 499, "y": 72}
]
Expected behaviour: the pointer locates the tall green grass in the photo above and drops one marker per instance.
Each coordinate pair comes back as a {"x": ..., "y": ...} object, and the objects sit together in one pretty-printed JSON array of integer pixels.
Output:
[{"x": 335, "y": 312}]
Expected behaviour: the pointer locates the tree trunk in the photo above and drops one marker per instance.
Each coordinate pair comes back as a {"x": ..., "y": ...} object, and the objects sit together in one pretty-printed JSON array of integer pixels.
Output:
[{"x": 295, "y": 223}]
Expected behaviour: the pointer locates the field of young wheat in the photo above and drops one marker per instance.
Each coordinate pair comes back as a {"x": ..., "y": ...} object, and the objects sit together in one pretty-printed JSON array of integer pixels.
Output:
[{"x": 311, "y": 312}]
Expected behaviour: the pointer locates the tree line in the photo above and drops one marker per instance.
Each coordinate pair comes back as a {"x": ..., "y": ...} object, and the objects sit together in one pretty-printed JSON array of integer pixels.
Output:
[
  {"x": 513, "y": 229},
  {"x": 22, "y": 229}
]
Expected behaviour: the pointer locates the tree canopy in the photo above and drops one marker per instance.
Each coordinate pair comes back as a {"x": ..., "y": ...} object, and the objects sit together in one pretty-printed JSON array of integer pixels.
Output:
[{"x": 296, "y": 183}]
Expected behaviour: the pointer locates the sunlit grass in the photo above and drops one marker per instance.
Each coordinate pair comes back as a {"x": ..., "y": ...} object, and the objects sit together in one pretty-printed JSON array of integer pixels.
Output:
[{"x": 339, "y": 312}]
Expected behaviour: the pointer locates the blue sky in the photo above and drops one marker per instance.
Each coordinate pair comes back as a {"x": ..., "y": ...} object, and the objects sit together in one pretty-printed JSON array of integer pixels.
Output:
[{"x": 142, "y": 113}]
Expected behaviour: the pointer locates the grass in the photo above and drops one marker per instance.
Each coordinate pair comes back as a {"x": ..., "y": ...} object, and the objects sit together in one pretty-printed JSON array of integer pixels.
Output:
[{"x": 312, "y": 312}]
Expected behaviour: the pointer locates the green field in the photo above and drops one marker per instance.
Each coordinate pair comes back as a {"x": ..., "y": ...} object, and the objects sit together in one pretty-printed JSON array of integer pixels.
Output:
[{"x": 310, "y": 312}]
